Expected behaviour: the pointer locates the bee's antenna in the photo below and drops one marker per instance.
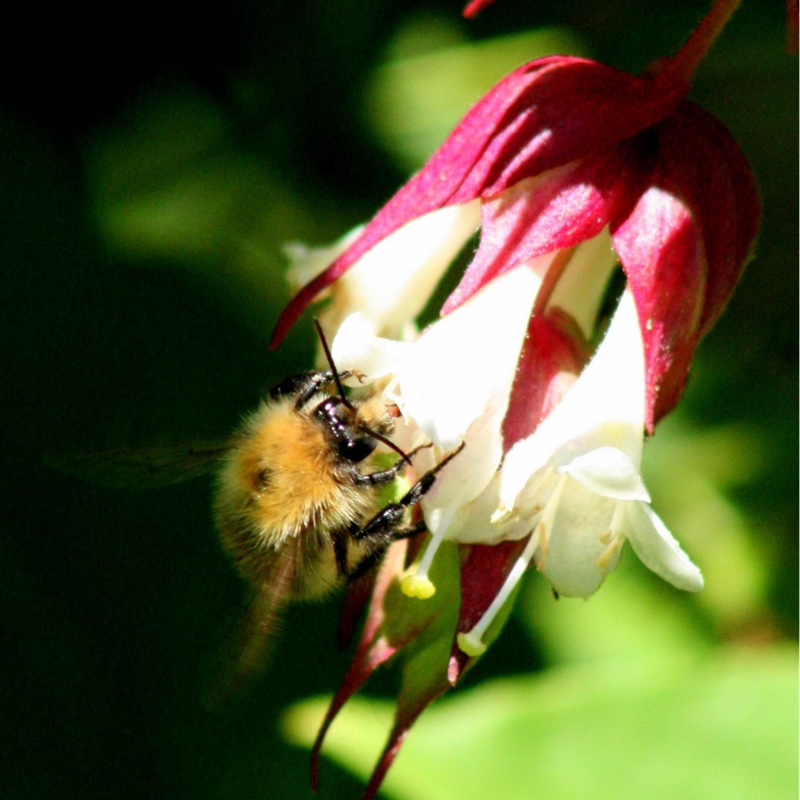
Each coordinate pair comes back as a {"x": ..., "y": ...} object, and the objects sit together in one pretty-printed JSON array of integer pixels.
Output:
[
  {"x": 329, "y": 357},
  {"x": 346, "y": 402}
]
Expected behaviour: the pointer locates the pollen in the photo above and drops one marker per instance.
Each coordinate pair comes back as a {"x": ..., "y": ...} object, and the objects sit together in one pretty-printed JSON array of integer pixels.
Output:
[
  {"x": 502, "y": 514},
  {"x": 419, "y": 586},
  {"x": 470, "y": 644},
  {"x": 610, "y": 552},
  {"x": 543, "y": 545}
]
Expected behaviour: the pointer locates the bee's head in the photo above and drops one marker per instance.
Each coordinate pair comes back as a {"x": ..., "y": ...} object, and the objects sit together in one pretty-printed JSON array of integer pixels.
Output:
[
  {"x": 354, "y": 428},
  {"x": 349, "y": 439}
]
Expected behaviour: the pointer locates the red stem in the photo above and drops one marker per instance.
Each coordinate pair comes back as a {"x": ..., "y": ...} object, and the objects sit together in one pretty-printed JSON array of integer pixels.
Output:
[{"x": 683, "y": 65}]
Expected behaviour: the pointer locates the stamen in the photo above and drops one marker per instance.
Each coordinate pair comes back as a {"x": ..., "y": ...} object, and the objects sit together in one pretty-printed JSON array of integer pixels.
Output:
[
  {"x": 471, "y": 642},
  {"x": 418, "y": 584},
  {"x": 608, "y": 554},
  {"x": 547, "y": 519},
  {"x": 618, "y": 517},
  {"x": 613, "y": 537}
]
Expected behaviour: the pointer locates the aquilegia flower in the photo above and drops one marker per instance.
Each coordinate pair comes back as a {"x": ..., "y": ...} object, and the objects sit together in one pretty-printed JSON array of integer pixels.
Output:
[{"x": 569, "y": 168}]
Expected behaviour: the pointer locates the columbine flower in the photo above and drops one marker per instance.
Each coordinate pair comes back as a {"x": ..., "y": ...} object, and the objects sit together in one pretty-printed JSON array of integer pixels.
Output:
[
  {"x": 568, "y": 167},
  {"x": 585, "y": 456},
  {"x": 573, "y": 487}
]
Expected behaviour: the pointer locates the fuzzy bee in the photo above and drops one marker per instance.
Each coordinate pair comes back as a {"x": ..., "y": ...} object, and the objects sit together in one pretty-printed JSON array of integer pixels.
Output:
[{"x": 298, "y": 495}]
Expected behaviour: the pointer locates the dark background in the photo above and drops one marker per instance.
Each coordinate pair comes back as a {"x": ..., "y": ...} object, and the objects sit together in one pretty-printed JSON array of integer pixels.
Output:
[{"x": 115, "y": 604}]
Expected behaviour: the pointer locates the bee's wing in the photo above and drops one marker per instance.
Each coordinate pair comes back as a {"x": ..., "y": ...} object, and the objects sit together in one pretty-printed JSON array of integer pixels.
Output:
[
  {"x": 141, "y": 468},
  {"x": 249, "y": 647}
]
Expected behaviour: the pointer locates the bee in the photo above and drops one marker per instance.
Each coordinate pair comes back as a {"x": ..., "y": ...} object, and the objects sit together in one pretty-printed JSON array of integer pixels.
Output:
[
  {"x": 297, "y": 500},
  {"x": 298, "y": 505}
]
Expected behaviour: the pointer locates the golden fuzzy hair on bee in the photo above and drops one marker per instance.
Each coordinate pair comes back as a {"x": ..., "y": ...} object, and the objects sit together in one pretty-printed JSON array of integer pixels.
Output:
[
  {"x": 298, "y": 496},
  {"x": 284, "y": 486}
]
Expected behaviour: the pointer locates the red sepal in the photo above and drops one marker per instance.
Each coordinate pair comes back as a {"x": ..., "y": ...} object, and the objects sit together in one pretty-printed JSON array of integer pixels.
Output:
[
  {"x": 683, "y": 242},
  {"x": 543, "y": 115}
]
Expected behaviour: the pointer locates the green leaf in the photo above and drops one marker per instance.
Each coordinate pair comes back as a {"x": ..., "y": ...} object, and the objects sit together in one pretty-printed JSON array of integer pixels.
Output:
[{"x": 724, "y": 726}]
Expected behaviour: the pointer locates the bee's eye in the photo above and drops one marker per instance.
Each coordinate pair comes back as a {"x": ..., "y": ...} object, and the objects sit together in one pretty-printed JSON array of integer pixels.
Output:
[
  {"x": 337, "y": 420},
  {"x": 356, "y": 450}
]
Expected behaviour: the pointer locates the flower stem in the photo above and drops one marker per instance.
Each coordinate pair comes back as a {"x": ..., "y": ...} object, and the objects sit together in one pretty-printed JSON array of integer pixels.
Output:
[{"x": 683, "y": 65}]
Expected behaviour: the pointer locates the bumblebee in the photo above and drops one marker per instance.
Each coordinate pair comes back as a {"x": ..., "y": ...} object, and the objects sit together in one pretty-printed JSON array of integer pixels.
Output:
[
  {"x": 298, "y": 494},
  {"x": 296, "y": 500}
]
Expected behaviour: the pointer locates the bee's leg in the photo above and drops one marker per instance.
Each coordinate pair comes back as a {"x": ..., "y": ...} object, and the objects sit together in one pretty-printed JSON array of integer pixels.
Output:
[
  {"x": 387, "y": 525},
  {"x": 388, "y": 475},
  {"x": 340, "y": 539},
  {"x": 305, "y": 385},
  {"x": 369, "y": 562},
  {"x": 378, "y": 546}
]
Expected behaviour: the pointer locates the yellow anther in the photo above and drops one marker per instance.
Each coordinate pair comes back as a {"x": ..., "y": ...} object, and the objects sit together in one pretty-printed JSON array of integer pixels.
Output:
[
  {"x": 470, "y": 644},
  {"x": 419, "y": 586}
]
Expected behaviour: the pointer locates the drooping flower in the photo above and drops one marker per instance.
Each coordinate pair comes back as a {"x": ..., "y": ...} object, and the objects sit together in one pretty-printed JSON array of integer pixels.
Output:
[
  {"x": 560, "y": 150},
  {"x": 573, "y": 487},
  {"x": 568, "y": 167}
]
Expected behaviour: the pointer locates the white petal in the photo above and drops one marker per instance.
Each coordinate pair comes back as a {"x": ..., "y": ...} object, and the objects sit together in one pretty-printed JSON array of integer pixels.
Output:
[
  {"x": 658, "y": 550},
  {"x": 608, "y": 472},
  {"x": 611, "y": 390},
  {"x": 575, "y": 547},
  {"x": 472, "y": 524},
  {"x": 467, "y": 475},
  {"x": 582, "y": 286},
  {"x": 605, "y": 406},
  {"x": 357, "y": 347},
  {"x": 463, "y": 365},
  {"x": 454, "y": 381},
  {"x": 393, "y": 282}
]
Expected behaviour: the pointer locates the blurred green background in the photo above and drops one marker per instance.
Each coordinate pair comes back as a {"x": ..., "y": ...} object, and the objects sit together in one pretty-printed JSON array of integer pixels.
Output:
[{"x": 155, "y": 158}]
